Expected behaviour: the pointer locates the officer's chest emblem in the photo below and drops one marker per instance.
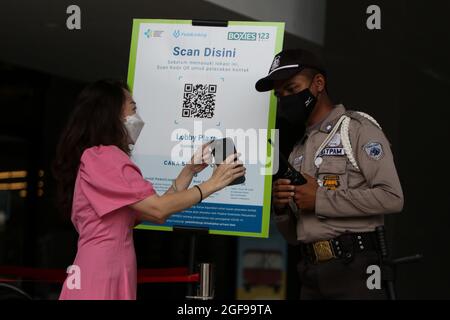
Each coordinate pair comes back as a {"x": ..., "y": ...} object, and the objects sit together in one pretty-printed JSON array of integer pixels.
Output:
[
  {"x": 335, "y": 141},
  {"x": 374, "y": 150},
  {"x": 298, "y": 161},
  {"x": 330, "y": 182}
]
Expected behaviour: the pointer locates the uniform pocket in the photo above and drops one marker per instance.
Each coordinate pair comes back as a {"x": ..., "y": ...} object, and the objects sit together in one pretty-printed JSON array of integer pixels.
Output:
[{"x": 332, "y": 173}]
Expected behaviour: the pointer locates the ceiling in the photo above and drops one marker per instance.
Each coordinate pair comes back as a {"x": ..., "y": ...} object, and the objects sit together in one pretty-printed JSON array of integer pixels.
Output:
[{"x": 33, "y": 34}]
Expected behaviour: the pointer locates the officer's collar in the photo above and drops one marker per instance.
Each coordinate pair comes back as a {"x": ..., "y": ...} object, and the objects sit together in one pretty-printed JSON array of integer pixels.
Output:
[{"x": 329, "y": 122}]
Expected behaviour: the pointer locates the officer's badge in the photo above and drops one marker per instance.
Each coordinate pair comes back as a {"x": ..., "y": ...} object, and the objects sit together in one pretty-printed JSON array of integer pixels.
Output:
[
  {"x": 331, "y": 182},
  {"x": 275, "y": 63},
  {"x": 374, "y": 150},
  {"x": 298, "y": 161},
  {"x": 335, "y": 141}
]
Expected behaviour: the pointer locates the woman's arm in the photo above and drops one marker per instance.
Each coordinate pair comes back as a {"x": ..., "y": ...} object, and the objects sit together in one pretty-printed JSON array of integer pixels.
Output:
[
  {"x": 158, "y": 208},
  {"x": 183, "y": 180}
]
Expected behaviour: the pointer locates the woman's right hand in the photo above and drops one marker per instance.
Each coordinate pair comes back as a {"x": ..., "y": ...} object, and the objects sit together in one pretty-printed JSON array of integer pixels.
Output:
[{"x": 227, "y": 172}]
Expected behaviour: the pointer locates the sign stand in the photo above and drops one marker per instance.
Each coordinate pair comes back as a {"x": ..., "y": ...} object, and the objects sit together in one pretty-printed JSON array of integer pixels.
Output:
[
  {"x": 205, "y": 274},
  {"x": 193, "y": 236}
]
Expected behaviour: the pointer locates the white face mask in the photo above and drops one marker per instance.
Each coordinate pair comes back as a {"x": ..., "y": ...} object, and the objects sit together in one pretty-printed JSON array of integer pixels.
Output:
[{"x": 134, "y": 125}]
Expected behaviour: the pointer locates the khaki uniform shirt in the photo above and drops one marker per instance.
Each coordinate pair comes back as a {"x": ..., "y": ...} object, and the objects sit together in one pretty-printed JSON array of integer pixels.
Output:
[{"x": 347, "y": 200}]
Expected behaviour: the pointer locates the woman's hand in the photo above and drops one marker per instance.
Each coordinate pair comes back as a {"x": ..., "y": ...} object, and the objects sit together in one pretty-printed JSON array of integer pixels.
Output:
[
  {"x": 227, "y": 172},
  {"x": 201, "y": 159}
]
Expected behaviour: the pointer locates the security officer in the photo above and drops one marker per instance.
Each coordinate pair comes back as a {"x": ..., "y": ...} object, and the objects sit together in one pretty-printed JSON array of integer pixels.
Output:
[{"x": 351, "y": 182}]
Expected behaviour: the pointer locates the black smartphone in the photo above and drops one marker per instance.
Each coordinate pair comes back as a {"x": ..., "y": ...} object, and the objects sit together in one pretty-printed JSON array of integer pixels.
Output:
[
  {"x": 297, "y": 179},
  {"x": 222, "y": 149}
]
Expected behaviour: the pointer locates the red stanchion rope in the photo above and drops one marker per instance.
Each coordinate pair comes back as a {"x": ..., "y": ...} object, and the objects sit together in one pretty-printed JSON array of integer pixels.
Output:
[{"x": 167, "y": 275}]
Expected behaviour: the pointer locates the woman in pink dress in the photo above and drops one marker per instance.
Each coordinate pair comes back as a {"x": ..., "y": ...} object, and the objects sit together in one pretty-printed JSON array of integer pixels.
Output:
[{"x": 106, "y": 195}]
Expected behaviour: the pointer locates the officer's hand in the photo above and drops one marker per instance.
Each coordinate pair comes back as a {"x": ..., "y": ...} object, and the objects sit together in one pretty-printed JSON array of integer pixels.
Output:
[
  {"x": 282, "y": 192},
  {"x": 305, "y": 195}
]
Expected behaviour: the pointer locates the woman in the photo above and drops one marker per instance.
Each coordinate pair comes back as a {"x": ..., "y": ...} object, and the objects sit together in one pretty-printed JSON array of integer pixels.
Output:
[{"x": 105, "y": 191}]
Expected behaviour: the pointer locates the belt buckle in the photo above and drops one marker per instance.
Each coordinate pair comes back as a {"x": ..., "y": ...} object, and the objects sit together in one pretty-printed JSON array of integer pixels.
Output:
[{"x": 323, "y": 251}]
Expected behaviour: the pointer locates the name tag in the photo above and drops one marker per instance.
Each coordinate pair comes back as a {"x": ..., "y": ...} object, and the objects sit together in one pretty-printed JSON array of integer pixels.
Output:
[{"x": 332, "y": 152}]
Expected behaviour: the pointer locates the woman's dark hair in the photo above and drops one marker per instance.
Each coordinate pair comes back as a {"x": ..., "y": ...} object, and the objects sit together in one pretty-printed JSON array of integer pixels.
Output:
[{"x": 96, "y": 120}]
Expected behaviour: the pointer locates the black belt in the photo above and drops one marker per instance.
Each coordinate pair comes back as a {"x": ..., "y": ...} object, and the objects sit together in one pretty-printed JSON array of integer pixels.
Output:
[{"x": 344, "y": 246}]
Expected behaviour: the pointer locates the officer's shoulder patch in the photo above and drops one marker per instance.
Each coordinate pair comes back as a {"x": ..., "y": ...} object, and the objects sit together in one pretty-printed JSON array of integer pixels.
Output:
[{"x": 374, "y": 150}]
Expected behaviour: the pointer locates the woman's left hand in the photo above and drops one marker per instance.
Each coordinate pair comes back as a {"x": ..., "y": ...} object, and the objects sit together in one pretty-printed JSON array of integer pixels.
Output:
[{"x": 201, "y": 159}]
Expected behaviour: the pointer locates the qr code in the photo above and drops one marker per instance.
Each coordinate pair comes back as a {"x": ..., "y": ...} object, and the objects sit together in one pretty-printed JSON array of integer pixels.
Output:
[{"x": 199, "y": 100}]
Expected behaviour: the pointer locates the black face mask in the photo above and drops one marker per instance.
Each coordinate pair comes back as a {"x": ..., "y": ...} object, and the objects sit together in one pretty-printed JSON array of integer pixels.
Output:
[{"x": 295, "y": 109}]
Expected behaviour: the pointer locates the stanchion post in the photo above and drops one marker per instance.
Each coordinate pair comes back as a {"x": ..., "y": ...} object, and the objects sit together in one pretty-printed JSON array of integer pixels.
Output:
[{"x": 193, "y": 237}]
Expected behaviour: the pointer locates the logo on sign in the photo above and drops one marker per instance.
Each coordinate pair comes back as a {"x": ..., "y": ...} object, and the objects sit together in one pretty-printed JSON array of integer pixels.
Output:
[
  {"x": 178, "y": 33},
  {"x": 153, "y": 33},
  {"x": 242, "y": 36}
]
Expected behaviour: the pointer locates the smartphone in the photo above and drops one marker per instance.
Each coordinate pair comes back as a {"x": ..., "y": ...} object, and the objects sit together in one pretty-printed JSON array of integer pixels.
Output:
[{"x": 222, "y": 149}]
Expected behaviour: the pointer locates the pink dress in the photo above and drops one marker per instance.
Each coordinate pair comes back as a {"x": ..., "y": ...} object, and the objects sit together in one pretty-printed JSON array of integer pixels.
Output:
[{"x": 107, "y": 182}]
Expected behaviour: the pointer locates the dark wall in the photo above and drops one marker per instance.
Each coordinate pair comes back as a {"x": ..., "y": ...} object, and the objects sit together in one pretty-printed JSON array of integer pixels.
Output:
[{"x": 400, "y": 75}]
